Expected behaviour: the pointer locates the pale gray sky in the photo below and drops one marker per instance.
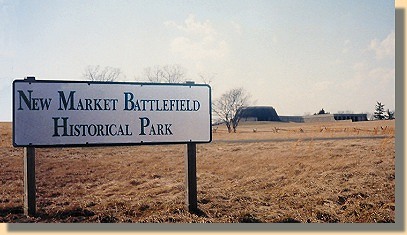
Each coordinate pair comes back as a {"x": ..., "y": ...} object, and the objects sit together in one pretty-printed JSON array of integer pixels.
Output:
[{"x": 297, "y": 56}]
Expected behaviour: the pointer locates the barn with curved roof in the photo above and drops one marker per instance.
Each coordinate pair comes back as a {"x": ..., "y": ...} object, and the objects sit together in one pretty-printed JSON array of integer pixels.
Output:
[{"x": 258, "y": 113}]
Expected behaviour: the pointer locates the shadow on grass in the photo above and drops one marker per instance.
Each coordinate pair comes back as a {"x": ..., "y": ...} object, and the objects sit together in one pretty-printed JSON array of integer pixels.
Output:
[
  {"x": 199, "y": 212},
  {"x": 11, "y": 210}
]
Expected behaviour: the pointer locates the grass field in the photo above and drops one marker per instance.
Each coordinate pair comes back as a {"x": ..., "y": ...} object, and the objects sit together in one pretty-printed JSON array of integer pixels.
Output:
[{"x": 266, "y": 172}]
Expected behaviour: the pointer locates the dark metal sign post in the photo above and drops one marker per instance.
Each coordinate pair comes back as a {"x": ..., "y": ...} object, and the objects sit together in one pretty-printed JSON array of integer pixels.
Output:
[
  {"x": 29, "y": 181},
  {"x": 190, "y": 171},
  {"x": 29, "y": 177},
  {"x": 191, "y": 182}
]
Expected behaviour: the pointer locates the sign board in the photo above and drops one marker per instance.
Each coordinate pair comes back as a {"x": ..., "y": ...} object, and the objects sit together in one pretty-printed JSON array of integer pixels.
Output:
[{"x": 80, "y": 113}]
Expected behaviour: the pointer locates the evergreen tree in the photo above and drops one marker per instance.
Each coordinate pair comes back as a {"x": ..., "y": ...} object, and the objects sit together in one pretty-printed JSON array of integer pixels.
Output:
[
  {"x": 379, "y": 111},
  {"x": 322, "y": 111},
  {"x": 390, "y": 114}
]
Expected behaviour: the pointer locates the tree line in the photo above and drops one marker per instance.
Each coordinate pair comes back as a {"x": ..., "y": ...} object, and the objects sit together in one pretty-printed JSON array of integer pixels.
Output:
[{"x": 227, "y": 107}]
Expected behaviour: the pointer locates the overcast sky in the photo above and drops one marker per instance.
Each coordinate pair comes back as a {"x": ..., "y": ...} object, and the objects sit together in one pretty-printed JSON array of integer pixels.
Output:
[{"x": 297, "y": 56}]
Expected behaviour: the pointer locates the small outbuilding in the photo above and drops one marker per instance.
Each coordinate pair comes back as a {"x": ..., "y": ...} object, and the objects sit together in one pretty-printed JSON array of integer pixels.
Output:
[{"x": 353, "y": 117}]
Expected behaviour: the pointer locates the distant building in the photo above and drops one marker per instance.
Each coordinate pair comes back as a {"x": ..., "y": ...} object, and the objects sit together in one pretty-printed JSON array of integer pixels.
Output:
[
  {"x": 258, "y": 113},
  {"x": 353, "y": 117},
  {"x": 291, "y": 118},
  {"x": 268, "y": 113},
  {"x": 325, "y": 118},
  {"x": 319, "y": 118}
]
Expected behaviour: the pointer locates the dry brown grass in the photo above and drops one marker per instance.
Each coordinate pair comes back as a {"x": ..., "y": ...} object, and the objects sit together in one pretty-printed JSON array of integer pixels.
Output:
[{"x": 299, "y": 178}]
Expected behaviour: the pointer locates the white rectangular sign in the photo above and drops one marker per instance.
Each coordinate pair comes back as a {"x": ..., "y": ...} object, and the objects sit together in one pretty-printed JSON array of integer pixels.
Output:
[{"x": 75, "y": 113}]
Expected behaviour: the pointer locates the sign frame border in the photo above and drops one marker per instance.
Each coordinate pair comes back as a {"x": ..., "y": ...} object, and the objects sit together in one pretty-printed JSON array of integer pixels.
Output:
[{"x": 111, "y": 144}]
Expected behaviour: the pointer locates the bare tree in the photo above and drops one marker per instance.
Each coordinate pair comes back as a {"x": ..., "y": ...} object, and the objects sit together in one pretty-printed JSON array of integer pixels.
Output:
[
  {"x": 153, "y": 74},
  {"x": 96, "y": 73},
  {"x": 229, "y": 105},
  {"x": 206, "y": 78},
  {"x": 168, "y": 74}
]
